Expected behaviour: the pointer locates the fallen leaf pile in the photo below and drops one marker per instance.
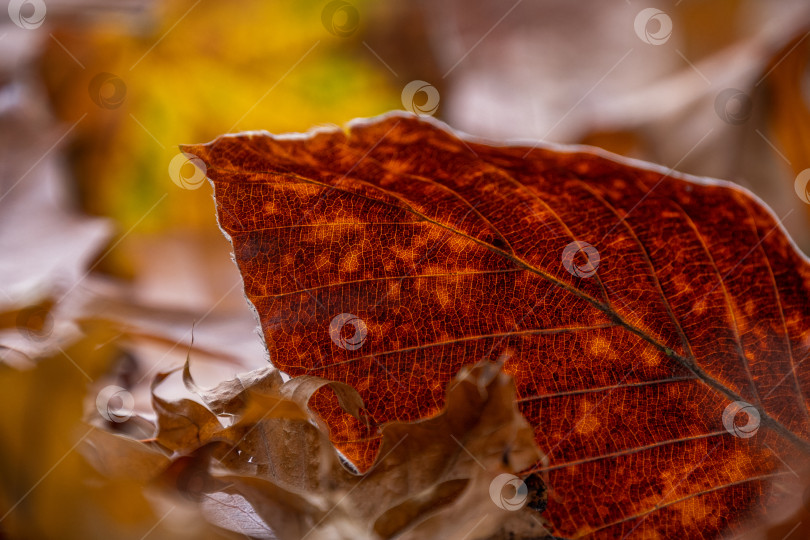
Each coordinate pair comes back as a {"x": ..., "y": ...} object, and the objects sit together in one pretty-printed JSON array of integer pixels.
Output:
[{"x": 656, "y": 325}]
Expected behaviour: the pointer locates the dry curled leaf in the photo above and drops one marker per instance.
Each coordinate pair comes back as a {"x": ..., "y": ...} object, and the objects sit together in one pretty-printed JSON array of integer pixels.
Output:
[
  {"x": 656, "y": 324},
  {"x": 270, "y": 471}
]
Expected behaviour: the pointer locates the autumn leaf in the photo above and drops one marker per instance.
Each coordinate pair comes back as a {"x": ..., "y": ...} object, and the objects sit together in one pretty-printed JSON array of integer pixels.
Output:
[
  {"x": 271, "y": 471},
  {"x": 657, "y": 325}
]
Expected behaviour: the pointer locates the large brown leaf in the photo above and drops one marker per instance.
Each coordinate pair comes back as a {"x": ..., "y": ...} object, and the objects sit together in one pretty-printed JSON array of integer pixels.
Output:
[{"x": 445, "y": 251}]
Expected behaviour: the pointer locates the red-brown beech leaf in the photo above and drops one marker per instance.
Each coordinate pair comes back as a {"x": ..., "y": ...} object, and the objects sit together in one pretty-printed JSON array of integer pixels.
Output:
[{"x": 657, "y": 325}]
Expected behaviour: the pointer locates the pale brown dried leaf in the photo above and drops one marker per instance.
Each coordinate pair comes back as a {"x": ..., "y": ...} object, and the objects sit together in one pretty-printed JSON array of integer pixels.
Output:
[{"x": 270, "y": 470}]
